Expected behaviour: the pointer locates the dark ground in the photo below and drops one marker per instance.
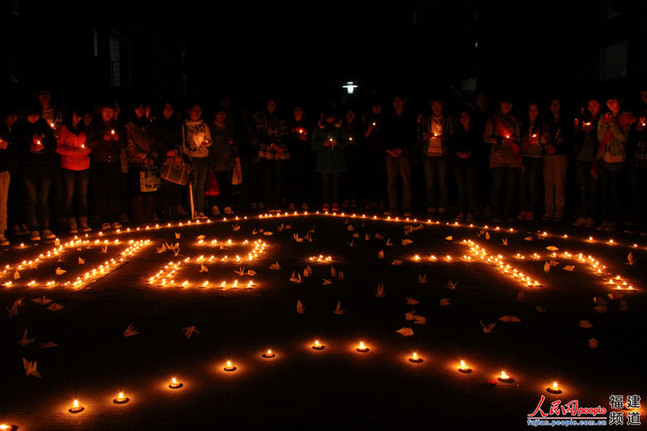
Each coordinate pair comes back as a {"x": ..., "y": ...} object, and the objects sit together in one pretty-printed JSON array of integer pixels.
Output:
[{"x": 336, "y": 388}]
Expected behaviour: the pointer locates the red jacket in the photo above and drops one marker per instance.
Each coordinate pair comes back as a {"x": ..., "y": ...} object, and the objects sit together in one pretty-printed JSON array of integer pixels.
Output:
[{"x": 74, "y": 153}]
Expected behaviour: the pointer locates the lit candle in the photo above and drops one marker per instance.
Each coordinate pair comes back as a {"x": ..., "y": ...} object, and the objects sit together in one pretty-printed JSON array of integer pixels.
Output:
[
  {"x": 175, "y": 384},
  {"x": 415, "y": 358},
  {"x": 121, "y": 399},
  {"x": 362, "y": 348},
  {"x": 76, "y": 407},
  {"x": 230, "y": 366},
  {"x": 269, "y": 354},
  {"x": 464, "y": 368},
  {"x": 5, "y": 427},
  {"x": 318, "y": 346},
  {"x": 554, "y": 389},
  {"x": 112, "y": 132},
  {"x": 505, "y": 378}
]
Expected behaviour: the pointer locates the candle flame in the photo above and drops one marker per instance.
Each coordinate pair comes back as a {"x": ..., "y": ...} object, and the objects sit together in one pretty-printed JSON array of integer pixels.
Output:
[
  {"x": 414, "y": 356},
  {"x": 75, "y": 404},
  {"x": 504, "y": 375},
  {"x": 463, "y": 365},
  {"x": 555, "y": 386}
]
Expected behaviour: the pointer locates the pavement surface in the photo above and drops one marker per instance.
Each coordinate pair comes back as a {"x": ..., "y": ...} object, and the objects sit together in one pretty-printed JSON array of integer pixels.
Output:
[{"x": 128, "y": 311}]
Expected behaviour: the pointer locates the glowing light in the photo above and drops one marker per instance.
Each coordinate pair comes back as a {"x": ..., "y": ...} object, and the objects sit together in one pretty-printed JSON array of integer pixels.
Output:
[
  {"x": 505, "y": 378},
  {"x": 362, "y": 348},
  {"x": 554, "y": 388},
  {"x": 269, "y": 354},
  {"x": 318, "y": 346},
  {"x": 175, "y": 384},
  {"x": 464, "y": 368},
  {"x": 76, "y": 407},
  {"x": 230, "y": 367},
  {"x": 415, "y": 358},
  {"x": 121, "y": 399}
]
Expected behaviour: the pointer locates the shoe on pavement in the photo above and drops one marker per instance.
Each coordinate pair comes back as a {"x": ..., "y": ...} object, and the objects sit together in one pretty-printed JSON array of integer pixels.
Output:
[{"x": 35, "y": 236}]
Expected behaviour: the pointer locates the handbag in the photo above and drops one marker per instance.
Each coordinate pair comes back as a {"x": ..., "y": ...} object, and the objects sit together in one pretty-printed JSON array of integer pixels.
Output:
[
  {"x": 175, "y": 171},
  {"x": 211, "y": 187},
  {"x": 149, "y": 180},
  {"x": 237, "y": 172}
]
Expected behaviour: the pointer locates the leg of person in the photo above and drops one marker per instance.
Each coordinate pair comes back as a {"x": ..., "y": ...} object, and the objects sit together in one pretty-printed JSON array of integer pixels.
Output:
[{"x": 404, "y": 167}]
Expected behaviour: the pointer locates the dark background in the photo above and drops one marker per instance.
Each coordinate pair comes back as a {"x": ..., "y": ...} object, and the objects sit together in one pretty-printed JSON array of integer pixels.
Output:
[{"x": 251, "y": 48}]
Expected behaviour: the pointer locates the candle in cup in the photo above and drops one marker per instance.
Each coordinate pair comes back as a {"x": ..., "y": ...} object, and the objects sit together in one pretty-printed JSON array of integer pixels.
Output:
[
  {"x": 505, "y": 378},
  {"x": 415, "y": 358},
  {"x": 121, "y": 399},
  {"x": 464, "y": 368},
  {"x": 362, "y": 348},
  {"x": 269, "y": 354},
  {"x": 175, "y": 384},
  {"x": 318, "y": 346},
  {"x": 76, "y": 407},
  {"x": 554, "y": 389},
  {"x": 230, "y": 367}
]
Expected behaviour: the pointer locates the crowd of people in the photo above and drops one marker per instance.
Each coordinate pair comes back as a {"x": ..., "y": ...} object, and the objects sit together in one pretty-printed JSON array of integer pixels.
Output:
[{"x": 78, "y": 168}]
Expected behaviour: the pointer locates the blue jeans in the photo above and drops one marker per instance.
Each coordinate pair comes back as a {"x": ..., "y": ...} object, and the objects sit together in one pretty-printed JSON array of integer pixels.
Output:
[
  {"x": 399, "y": 168},
  {"x": 75, "y": 184},
  {"x": 199, "y": 179},
  {"x": 504, "y": 180},
  {"x": 436, "y": 173},
  {"x": 37, "y": 183}
]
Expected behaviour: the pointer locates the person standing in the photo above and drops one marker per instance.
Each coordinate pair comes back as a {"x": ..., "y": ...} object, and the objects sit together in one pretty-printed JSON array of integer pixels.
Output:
[
  {"x": 530, "y": 183},
  {"x": 466, "y": 146},
  {"x": 329, "y": 139},
  {"x": 75, "y": 169},
  {"x": 588, "y": 143},
  {"x": 196, "y": 140},
  {"x": 273, "y": 153},
  {"x": 400, "y": 130},
  {"x": 6, "y": 162},
  {"x": 638, "y": 167},
  {"x": 106, "y": 142},
  {"x": 559, "y": 141},
  {"x": 436, "y": 129},
  {"x": 222, "y": 153},
  {"x": 501, "y": 131},
  {"x": 610, "y": 161}
]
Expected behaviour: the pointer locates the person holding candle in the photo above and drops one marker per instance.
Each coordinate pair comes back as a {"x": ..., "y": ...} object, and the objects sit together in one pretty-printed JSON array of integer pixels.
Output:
[
  {"x": 301, "y": 158},
  {"x": 104, "y": 138},
  {"x": 36, "y": 151},
  {"x": 556, "y": 148},
  {"x": 6, "y": 164},
  {"x": 196, "y": 140},
  {"x": 329, "y": 139},
  {"x": 222, "y": 153},
  {"x": 75, "y": 168},
  {"x": 400, "y": 130},
  {"x": 502, "y": 131},
  {"x": 374, "y": 170},
  {"x": 142, "y": 154},
  {"x": 273, "y": 153},
  {"x": 610, "y": 161},
  {"x": 587, "y": 145},
  {"x": 435, "y": 130},
  {"x": 532, "y": 135},
  {"x": 638, "y": 167},
  {"x": 166, "y": 132},
  {"x": 465, "y": 147}
]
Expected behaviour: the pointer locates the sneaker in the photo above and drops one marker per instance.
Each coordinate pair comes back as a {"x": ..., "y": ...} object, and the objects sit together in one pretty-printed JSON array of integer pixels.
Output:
[
  {"x": 530, "y": 216},
  {"x": 116, "y": 225},
  {"x": 3, "y": 241},
  {"x": 85, "y": 228},
  {"x": 124, "y": 219},
  {"x": 459, "y": 217},
  {"x": 521, "y": 215},
  {"x": 353, "y": 203},
  {"x": 202, "y": 216},
  {"x": 304, "y": 206},
  {"x": 589, "y": 222},
  {"x": 74, "y": 229},
  {"x": 469, "y": 218},
  {"x": 48, "y": 234},
  {"x": 546, "y": 217},
  {"x": 105, "y": 226},
  {"x": 407, "y": 214},
  {"x": 35, "y": 236},
  {"x": 215, "y": 210},
  {"x": 291, "y": 206},
  {"x": 335, "y": 207},
  {"x": 431, "y": 210},
  {"x": 261, "y": 206},
  {"x": 325, "y": 207},
  {"x": 228, "y": 211},
  {"x": 602, "y": 226},
  {"x": 345, "y": 203},
  {"x": 581, "y": 221}
]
